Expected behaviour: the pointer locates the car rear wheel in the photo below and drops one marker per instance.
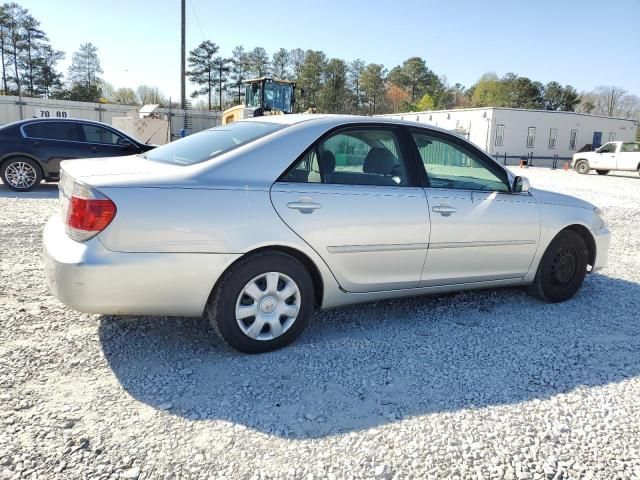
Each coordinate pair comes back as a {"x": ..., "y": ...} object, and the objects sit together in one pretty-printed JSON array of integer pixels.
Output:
[
  {"x": 602, "y": 172},
  {"x": 582, "y": 167},
  {"x": 21, "y": 174},
  {"x": 262, "y": 303},
  {"x": 562, "y": 268}
]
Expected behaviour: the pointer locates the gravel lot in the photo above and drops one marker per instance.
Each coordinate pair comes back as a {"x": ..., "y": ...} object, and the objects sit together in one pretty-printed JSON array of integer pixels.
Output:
[{"x": 489, "y": 384}]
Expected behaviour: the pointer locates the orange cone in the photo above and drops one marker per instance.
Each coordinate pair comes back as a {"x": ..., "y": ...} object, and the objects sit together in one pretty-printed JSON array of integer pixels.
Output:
[{"x": 566, "y": 166}]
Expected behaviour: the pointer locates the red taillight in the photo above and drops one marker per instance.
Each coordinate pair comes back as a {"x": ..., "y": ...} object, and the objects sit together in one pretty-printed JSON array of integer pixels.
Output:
[
  {"x": 90, "y": 215},
  {"x": 88, "y": 212}
]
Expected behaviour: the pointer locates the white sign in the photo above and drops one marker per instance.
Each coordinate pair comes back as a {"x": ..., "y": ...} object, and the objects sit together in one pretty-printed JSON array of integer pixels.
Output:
[{"x": 51, "y": 113}]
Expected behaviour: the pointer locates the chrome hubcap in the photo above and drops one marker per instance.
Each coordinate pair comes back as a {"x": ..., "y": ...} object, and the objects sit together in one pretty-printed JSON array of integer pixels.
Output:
[
  {"x": 20, "y": 175},
  {"x": 268, "y": 306}
]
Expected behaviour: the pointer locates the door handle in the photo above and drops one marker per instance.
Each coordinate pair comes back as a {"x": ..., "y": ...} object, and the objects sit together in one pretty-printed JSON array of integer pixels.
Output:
[
  {"x": 304, "y": 205},
  {"x": 94, "y": 149},
  {"x": 444, "y": 210}
]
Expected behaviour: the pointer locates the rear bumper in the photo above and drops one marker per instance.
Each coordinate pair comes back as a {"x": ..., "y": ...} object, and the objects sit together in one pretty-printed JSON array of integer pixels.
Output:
[
  {"x": 89, "y": 278},
  {"x": 602, "y": 237}
]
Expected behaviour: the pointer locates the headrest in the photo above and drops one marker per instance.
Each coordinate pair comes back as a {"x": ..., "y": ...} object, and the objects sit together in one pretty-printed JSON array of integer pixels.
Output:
[{"x": 379, "y": 160}]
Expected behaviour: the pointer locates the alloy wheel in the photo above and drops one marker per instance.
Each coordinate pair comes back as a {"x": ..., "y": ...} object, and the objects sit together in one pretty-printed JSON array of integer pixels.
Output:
[{"x": 21, "y": 175}]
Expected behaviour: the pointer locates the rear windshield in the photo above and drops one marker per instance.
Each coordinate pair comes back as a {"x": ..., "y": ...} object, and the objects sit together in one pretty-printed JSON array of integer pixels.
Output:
[{"x": 210, "y": 143}]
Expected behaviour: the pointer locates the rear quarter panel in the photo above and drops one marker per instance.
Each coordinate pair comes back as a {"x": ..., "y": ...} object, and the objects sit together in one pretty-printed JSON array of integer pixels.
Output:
[{"x": 196, "y": 220}]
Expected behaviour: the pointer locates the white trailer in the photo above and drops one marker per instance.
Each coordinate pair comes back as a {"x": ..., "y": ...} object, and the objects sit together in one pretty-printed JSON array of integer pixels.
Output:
[
  {"x": 14, "y": 108},
  {"x": 544, "y": 137}
]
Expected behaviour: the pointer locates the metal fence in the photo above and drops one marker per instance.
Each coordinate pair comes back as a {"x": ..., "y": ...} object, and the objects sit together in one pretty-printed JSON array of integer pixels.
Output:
[
  {"x": 19, "y": 108},
  {"x": 532, "y": 160}
]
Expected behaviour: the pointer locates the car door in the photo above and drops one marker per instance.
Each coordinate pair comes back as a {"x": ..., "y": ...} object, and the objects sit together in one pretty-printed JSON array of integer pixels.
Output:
[
  {"x": 480, "y": 231},
  {"x": 629, "y": 156},
  {"x": 104, "y": 142},
  {"x": 352, "y": 198},
  {"x": 54, "y": 141},
  {"x": 605, "y": 157}
]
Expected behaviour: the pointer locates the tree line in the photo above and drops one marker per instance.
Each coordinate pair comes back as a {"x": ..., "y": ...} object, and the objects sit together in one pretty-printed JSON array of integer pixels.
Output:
[{"x": 333, "y": 85}]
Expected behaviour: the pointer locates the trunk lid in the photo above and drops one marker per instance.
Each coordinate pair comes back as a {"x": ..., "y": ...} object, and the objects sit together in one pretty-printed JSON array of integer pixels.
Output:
[{"x": 120, "y": 171}]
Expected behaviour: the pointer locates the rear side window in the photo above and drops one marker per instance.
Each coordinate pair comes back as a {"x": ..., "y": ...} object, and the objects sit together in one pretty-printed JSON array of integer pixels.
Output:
[
  {"x": 210, "y": 143},
  {"x": 630, "y": 147},
  {"x": 53, "y": 131},
  {"x": 98, "y": 134}
]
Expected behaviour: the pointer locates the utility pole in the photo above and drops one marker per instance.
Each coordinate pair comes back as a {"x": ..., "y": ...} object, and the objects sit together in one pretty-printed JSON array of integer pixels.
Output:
[{"x": 183, "y": 99}]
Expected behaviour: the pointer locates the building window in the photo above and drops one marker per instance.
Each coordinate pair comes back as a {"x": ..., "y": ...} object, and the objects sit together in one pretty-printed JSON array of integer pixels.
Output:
[
  {"x": 531, "y": 137},
  {"x": 553, "y": 137},
  {"x": 612, "y": 136},
  {"x": 499, "y": 135},
  {"x": 573, "y": 139}
]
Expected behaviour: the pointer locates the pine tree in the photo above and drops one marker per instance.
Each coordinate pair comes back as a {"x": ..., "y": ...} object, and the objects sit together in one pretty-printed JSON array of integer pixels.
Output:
[{"x": 202, "y": 69}]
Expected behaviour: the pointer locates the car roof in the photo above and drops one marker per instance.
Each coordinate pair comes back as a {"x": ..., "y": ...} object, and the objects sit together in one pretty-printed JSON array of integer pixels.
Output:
[
  {"x": 38, "y": 120},
  {"x": 335, "y": 120},
  {"x": 17, "y": 124}
]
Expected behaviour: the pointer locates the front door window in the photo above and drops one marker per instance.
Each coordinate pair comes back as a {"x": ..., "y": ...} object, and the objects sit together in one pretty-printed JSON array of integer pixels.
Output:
[{"x": 449, "y": 166}]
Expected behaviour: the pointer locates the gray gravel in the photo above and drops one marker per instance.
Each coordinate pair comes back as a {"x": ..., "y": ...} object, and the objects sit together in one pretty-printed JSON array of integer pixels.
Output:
[{"x": 489, "y": 384}]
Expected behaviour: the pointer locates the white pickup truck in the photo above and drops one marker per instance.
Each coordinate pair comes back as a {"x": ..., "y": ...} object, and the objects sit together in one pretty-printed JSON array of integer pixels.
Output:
[{"x": 610, "y": 156}]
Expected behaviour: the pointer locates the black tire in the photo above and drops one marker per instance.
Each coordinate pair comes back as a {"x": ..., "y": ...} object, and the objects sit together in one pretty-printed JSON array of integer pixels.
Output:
[
  {"x": 562, "y": 268},
  {"x": 582, "y": 167},
  {"x": 31, "y": 177},
  {"x": 602, "y": 172},
  {"x": 221, "y": 308}
]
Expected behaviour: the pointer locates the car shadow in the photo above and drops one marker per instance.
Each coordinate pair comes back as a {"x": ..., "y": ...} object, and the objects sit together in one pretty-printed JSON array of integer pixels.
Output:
[
  {"x": 44, "y": 190},
  {"x": 363, "y": 366}
]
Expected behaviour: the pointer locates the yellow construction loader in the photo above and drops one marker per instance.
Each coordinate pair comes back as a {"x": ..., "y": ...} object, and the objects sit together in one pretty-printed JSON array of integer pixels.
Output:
[{"x": 263, "y": 96}]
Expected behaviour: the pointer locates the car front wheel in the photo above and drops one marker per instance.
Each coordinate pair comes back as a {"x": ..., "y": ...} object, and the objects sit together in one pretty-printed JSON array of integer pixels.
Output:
[
  {"x": 562, "y": 268},
  {"x": 582, "y": 167},
  {"x": 262, "y": 303},
  {"x": 21, "y": 174}
]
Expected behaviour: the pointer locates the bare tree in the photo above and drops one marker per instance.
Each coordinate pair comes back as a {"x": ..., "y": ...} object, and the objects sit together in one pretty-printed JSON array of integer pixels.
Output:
[{"x": 610, "y": 98}]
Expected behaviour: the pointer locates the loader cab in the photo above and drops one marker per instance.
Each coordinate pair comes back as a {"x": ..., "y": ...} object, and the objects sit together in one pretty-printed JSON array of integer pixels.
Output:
[{"x": 269, "y": 95}]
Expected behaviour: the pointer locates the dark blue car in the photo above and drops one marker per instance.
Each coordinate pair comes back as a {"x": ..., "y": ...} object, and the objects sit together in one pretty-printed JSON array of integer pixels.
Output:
[{"x": 31, "y": 150}]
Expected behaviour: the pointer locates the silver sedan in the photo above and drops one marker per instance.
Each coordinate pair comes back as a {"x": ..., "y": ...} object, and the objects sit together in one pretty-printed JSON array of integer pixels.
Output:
[{"x": 257, "y": 223}]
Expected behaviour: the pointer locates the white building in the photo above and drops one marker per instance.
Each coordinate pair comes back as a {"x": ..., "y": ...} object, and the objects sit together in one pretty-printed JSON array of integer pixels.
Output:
[{"x": 513, "y": 133}]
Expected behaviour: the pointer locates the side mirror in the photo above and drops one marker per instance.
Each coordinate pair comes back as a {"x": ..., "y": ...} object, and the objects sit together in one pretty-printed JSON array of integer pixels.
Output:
[
  {"x": 521, "y": 185},
  {"x": 125, "y": 143}
]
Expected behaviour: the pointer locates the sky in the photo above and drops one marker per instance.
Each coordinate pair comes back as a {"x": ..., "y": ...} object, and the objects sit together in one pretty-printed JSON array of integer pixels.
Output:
[{"x": 583, "y": 43}]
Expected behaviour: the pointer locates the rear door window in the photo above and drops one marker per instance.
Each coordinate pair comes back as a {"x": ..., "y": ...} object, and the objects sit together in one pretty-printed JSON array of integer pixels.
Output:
[
  {"x": 356, "y": 156},
  {"x": 53, "y": 131}
]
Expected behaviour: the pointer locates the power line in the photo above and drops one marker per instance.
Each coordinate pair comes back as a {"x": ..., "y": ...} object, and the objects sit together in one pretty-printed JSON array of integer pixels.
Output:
[{"x": 197, "y": 21}]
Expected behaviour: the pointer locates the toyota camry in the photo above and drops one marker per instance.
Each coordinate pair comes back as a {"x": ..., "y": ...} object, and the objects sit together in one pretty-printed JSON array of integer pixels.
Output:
[{"x": 257, "y": 223}]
